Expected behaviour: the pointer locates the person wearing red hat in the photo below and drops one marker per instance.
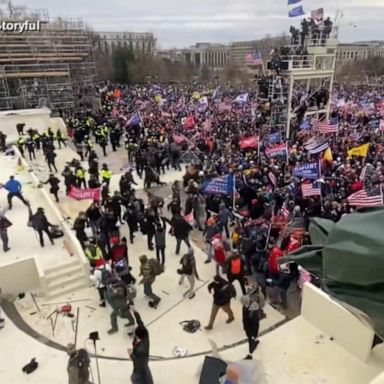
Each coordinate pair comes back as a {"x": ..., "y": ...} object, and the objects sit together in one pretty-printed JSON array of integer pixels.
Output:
[{"x": 101, "y": 274}]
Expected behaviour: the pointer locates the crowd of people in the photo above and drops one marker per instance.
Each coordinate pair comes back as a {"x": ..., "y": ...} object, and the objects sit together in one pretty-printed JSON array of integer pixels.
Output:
[{"x": 278, "y": 186}]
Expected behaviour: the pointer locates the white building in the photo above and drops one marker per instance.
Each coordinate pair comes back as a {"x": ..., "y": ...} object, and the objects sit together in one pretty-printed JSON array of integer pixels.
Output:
[
  {"x": 214, "y": 56},
  {"x": 138, "y": 42}
]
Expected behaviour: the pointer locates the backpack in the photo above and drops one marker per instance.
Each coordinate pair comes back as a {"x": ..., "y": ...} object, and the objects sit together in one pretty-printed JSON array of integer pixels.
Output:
[
  {"x": 190, "y": 326},
  {"x": 30, "y": 367},
  {"x": 105, "y": 276},
  {"x": 235, "y": 266},
  {"x": 131, "y": 292},
  {"x": 157, "y": 268}
]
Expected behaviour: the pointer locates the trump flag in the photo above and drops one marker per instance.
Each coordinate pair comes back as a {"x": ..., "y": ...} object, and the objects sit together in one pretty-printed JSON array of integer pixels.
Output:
[{"x": 220, "y": 185}]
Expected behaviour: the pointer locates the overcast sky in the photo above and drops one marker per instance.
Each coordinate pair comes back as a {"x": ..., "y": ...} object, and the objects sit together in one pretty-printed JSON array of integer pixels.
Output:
[{"x": 180, "y": 23}]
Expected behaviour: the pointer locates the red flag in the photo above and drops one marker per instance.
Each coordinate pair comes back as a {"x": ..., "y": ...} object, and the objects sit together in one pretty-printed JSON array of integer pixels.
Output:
[
  {"x": 249, "y": 142},
  {"x": 188, "y": 122},
  {"x": 84, "y": 194}
]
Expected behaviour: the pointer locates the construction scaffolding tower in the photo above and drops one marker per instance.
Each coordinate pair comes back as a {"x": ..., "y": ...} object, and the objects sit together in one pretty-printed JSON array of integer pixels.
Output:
[
  {"x": 54, "y": 66},
  {"x": 312, "y": 74}
]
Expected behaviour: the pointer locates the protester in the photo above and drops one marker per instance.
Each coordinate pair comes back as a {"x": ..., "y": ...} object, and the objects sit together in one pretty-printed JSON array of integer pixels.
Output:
[
  {"x": 41, "y": 224},
  {"x": 222, "y": 295},
  {"x": 14, "y": 187},
  {"x": 78, "y": 365},
  {"x": 253, "y": 302},
  {"x": 4, "y": 225},
  {"x": 188, "y": 270},
  {"x": 148, "y": 278},
  {"x": 139, "y": 354}
]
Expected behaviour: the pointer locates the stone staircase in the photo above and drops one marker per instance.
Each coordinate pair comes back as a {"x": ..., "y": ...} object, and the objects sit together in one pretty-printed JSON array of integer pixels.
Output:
[{"x": 65, "y": 278}]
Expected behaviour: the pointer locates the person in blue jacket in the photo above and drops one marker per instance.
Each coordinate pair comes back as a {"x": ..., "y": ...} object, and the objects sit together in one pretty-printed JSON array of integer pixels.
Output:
[{"x": 14, "y": 189}]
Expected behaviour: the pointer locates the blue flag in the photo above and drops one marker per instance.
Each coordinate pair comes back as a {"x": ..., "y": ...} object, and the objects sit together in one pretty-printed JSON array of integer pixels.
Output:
[
  {"x": 273, "y": 138},
  {"x": 297, "y": 11},
  {"x": 135, "y": 119},
  {"x": 219, "y": 185},
  {"x": 290, "y": 2},
  {"x": 310, "y": 171},
  {"x": 306, "y": 124}
]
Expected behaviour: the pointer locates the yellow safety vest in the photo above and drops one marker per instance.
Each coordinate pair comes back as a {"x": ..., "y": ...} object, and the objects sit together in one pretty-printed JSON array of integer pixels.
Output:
[
  {"x": 80, "y": 174},
  {"x": 106, "y": 173}
]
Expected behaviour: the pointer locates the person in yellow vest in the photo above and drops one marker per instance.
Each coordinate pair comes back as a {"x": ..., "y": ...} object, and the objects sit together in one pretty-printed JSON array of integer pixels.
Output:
[
  {"x": 93, "y": 252},
  {"x": 50, "y": 133},
  {"x": 20, "y": 145},
  {"x": 80, "y": 177},
  {"x": 105, "y": 174},
  {"x": 61, "y": 138},
  {"x": 36, "y": 139}
]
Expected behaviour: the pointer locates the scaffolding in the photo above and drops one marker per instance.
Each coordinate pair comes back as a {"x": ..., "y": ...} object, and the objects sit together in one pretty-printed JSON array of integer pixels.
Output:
[
  {"x": 311, "y": 73},
  {"x": 54, "y": 66}
]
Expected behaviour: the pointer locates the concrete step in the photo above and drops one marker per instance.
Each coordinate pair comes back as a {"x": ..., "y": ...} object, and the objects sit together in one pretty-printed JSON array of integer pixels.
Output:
[
  {"x": 62, "y": 267},
  {"x": 64, "y": 280},
  {"x": 65, "y": 272},
  {"x": 66, "y": 288}
]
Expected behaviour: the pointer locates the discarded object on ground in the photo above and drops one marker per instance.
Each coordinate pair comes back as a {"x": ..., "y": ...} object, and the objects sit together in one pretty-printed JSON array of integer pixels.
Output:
[
  {"x": 31, "y": 366},
  {"x": 179, "y": 352},
  {"x": 190, "y": 326}
]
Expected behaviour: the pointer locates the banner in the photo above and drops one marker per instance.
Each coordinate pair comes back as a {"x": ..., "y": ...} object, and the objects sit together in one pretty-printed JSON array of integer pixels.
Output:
[
  {"x": 249, "y": 142},
  {"x": 277, "y": 150},
  {"x": 220, "y": 185},
  {"x": 85, "y": 194},
  {"x": 310, "y": 171}
]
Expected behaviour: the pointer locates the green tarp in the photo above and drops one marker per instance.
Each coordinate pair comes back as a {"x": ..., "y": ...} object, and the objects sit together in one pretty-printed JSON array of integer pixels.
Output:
[{"x": 349, "y": 257}]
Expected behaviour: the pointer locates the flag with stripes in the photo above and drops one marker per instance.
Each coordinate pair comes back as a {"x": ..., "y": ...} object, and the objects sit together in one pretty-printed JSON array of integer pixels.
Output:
[
  {"x": 367, "y": 197},
  {"x": 284, "y": 211},
  {"x": 272, "y": 179},
  {"x": 366, "y": 172},
  {"x": 311, "y": 189},
  {"x": 325, "y": 126},
  {"x": 381, "y": 125},
  {"x": 253, "y": 58},
  {"x": 316, "y": 145}
]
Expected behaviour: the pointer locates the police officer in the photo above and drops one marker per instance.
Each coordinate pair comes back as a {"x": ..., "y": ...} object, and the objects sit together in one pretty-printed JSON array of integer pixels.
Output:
[
  {"x": 20, "y": 145},
  {"x": 60, "y": 138},
  {"x": 105, "y": 174},
  {"x": 36, "y": 139},
  {"x": 80, "y": 177},
  {"x": 30, "y": 145},
  {"x": 103, "y": 143}
]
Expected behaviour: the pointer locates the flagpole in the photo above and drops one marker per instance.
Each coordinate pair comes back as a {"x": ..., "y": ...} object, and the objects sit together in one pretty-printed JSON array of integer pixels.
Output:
[{"x": 234, "y": 192}]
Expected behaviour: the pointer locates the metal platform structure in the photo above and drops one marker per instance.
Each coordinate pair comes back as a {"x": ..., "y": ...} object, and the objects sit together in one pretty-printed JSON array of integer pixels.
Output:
[
  {"x": 310, "y": 74},
  {"x": 54, "y": 66}
]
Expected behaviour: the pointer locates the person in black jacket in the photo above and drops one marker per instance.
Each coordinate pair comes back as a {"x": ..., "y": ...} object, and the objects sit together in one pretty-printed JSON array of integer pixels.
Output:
[
  {"x": 41, "y": 224},
  {"x": 181, "y": 231},
  {"x": 222, "y": 294},
  {"x": 139, "y": 353},
  {"x": 54, "y": 183}
]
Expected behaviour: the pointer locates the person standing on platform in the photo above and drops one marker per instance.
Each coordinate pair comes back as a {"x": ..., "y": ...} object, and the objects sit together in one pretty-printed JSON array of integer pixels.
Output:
[{"x": 14, "y": 189}]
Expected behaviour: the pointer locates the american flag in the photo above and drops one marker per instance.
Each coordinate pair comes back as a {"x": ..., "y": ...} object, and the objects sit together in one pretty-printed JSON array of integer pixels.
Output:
[
  {"x": 325, "y": 127},
  {"x": 367, "y": 198},
  {"x": 316, "y": 145},
  {"x": 366, "y": 172},
  {"x": 284, "y": 211},
  {"x": 311, "y": 189},
  {"x": 272, "y": 179},
  {"x": 253, "y": 58}
]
